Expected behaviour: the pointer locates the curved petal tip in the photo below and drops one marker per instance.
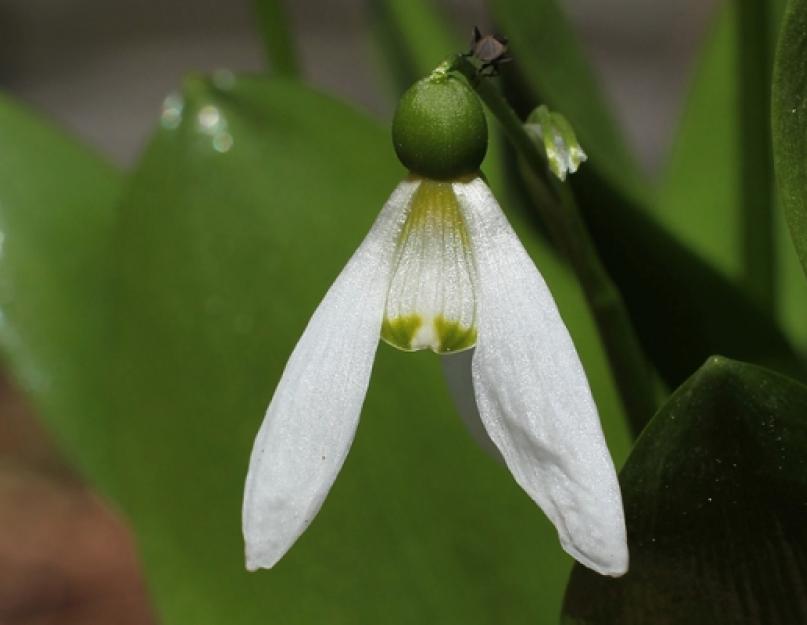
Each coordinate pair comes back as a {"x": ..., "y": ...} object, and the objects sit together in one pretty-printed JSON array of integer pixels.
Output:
[
  {"x": 608, "y": 559},
  {"x": 261, "y": 555}
]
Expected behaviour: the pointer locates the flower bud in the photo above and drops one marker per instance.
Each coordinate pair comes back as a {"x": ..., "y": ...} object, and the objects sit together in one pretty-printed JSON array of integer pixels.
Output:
[
  {"x": 555, "y": 134},
  {"x": 439, "y": 130}
]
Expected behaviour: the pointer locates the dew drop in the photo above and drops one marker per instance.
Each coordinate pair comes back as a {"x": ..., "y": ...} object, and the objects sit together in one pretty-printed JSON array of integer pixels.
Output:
[
  {"x": 171, "y": 115},
  {"x": 209, "y": 118},
  {"x": 222, "y": 142}
]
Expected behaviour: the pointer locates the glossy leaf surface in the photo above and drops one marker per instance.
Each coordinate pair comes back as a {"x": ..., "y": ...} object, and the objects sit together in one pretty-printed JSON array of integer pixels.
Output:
[
  {"x": 243, "y": 210},
  {"x": 714, "y": 491},
  {"x": 790, "y": 123}
]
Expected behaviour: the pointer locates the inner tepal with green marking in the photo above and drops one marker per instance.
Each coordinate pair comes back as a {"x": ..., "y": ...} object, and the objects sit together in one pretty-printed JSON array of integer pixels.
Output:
[{"x": 431, "y": 304}]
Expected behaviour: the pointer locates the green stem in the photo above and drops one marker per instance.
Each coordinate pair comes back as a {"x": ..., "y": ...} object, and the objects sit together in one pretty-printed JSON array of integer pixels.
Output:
[
  {"x": 560, "y": 213},
  {"x": 273, "y": 23}
]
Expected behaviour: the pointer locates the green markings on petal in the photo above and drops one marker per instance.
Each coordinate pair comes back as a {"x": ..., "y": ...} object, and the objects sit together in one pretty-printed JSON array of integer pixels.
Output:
[
  {"x": 400, "y": 331},
  {"x": 430, "y": 303},
  {"x": 446, "y": 337},
  {"x": 453, "y": 336}
]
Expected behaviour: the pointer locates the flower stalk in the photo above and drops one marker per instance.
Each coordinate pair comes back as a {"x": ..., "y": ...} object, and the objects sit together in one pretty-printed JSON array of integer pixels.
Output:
[{"x": 557, "y": 207}]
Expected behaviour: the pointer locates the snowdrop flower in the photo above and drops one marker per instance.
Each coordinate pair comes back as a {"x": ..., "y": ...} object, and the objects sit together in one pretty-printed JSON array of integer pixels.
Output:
[{"x": 440, "y": 269}]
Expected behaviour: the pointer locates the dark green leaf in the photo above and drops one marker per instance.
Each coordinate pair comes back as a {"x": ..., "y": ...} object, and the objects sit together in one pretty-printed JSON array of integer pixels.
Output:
[
  {"x": 790, "y": 124},
  {"x": 715, "y": 493},
  {"x": 236, "y": 222},
  {"x": 682, "y": 308},
  {"x": 56, "y": 219}
]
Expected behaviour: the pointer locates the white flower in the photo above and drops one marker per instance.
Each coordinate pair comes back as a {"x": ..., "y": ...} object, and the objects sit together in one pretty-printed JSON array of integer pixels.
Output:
[{"x": 442, "y": 269}]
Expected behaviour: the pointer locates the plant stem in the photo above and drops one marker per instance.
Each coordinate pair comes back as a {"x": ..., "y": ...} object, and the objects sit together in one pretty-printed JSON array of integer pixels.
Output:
[
  {"x": 274, "y": 28},
  {"x": 558, "y": 209}
]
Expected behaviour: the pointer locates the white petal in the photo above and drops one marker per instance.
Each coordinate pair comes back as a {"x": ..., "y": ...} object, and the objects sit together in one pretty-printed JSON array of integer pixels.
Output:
[
  {"x": 431, "y": 302},
  {"x": 533, "y": 395},
  {"x": 311, "y": 421}
]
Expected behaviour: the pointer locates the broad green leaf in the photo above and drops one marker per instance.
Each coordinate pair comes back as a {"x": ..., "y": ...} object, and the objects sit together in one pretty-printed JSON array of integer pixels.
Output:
[
  {"x": 790, "y": 124},
  {"x": 703, "y": 165},
  {"x": 57, "y": 204},
  {"x": 552, "y": 64},
  {"x": 719, "y": 163},
  {"x": 714, "y": 494},
  {"x": 236, "y": 221},
  {"x": 701, "y": 197}
]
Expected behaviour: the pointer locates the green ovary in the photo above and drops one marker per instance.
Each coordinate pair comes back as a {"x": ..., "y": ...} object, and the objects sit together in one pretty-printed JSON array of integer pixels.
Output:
[{"x": 410, "y": 333}]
